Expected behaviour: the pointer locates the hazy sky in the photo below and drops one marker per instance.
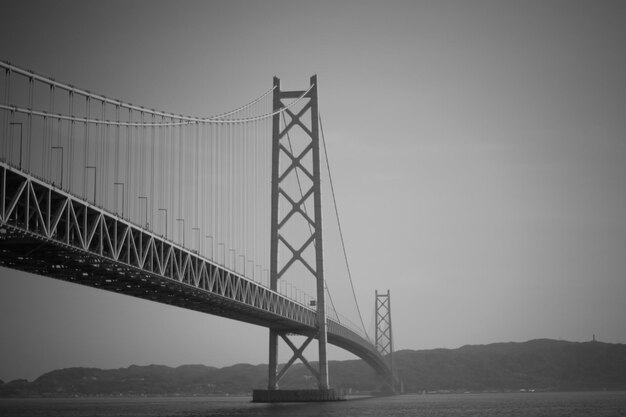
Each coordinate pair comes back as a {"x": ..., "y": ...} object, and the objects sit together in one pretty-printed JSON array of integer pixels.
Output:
[{"x": 478, "y": 152}]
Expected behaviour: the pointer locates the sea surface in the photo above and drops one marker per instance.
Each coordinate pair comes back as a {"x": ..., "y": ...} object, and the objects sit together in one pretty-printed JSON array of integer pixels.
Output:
[{"x": 570, "y": 404}]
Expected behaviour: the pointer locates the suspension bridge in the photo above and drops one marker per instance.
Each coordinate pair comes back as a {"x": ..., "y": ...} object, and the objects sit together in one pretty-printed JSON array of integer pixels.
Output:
[{"x": 220, "y": 214}]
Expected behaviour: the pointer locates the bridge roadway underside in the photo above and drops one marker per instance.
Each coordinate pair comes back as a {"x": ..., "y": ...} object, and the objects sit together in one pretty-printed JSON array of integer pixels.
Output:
[
  {"x": 32, "y": 253},
  {"x": 29, "y": 253},
  {"x": 48, "y": 232}
]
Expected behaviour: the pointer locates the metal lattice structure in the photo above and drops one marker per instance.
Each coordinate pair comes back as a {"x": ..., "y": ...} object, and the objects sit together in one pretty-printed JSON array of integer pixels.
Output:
[
  {"x": 46, "y": 231},
  {"x": 383, "y": 333},
  {"x": 305, "y": 162},
  {"x": 383, "y": 336}
]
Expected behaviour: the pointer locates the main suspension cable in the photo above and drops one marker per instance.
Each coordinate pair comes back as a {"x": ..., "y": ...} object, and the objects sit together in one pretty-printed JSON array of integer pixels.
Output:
[
  {"x": 180, "y": 119},
  {"x": 343, "y": 245}
]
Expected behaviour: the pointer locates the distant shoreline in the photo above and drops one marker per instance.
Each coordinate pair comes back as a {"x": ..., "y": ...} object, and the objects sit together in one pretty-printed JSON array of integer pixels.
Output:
[{"x": 541, "y": 365}]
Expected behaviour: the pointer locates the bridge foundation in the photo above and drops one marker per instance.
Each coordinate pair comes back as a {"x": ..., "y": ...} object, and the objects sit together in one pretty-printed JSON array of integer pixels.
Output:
[{"x": 298, "y": 395}]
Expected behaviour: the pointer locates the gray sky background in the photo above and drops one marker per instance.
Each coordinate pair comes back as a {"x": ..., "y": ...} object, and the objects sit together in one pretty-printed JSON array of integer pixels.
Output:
[{"x": 478, "y": 152}]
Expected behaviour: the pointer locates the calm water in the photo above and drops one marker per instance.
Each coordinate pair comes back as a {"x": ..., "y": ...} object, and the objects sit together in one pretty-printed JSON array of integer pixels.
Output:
[{"x": 451, "y": 405}]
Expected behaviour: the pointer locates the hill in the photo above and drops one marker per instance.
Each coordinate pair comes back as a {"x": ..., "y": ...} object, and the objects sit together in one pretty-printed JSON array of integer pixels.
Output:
[
  {"x": 537, "y": 364},
  {"x": 540, "y": 364}
]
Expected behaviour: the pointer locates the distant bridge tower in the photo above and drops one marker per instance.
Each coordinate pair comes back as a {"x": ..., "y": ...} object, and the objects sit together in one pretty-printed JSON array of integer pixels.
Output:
[{"x": 383, "y": 335}]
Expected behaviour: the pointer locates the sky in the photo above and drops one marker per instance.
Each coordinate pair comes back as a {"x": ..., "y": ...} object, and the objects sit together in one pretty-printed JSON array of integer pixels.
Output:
[{"x": 477, "y": 149}]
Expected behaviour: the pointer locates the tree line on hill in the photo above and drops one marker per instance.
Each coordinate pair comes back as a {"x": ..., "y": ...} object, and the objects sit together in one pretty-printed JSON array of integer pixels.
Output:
[{"x": 534, "y": 365}]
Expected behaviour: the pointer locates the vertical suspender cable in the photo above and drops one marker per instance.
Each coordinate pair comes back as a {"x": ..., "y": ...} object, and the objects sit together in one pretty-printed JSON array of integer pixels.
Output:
[
  {"x": 246, "y": 191},
  {"x": 162, "y": 175},
  {"x": 210, "y": 194},
  {"x": 100, "y": 139},
  {"x": 70, "y": 146},
  {"x": 200, "y": 185},
  {"x": 141, "y": 144},
  {"x": 205, "y": 210},
  {"x": 7, "y": 98},
  {"x": 86, "y": 148},
  {"x": 105, "y": 157},
  {"x": 240, "y": 221},
  {"x": 196, "y": 189},
  {"x": 172, "y": 183},
  {"x": 51, "y": 127},
  {"x": 97, "y": 154},
  {"x": 238, "y": 188},
  {"x": 253, "y": 198},
  {"x": 219, "y": 225},
  {"x": 152, "y": 195},
  {"x": 46, "y": 139},
  {"x": 235, "y": 194},
  {"x": 180, "y": 183},
  {"x": 134, "y": 171},
  {"x": 267, "y": 143},
  {"x": 31, "y": 85},
  {"x": 64, "y": 162},
  {"x": 132, "y": 166},
  {"x": 107, "y": 135},
  {"x": 128, "y": 176},
  {"x": 215, "y": 201},
  {"x": 116, "y": 158},
  {"x": 231, "y": 194},
  {"x": 52, "y": 106},
  {"x": 205, "y": 185}
]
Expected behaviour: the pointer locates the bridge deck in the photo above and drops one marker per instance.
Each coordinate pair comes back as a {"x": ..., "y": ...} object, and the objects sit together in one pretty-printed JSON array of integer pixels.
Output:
[{"x": 48, "y": 232}]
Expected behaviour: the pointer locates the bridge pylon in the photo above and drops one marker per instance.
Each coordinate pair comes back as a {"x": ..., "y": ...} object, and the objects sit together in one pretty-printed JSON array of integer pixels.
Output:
[
  {"x": 297, "y": 164},
  {"x": 383, "y": 339}
]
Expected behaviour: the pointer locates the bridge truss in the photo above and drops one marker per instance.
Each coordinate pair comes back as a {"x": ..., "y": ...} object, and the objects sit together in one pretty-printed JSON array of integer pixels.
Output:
[{"x": 45, "y": 231}]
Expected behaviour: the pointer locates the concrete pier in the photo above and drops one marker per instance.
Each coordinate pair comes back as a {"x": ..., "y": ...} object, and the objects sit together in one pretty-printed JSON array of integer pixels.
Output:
[{"x": 299, "y": 395}]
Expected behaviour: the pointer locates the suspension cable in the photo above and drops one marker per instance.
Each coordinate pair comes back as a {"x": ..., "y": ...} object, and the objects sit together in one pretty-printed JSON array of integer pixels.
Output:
[
  {"x": 246, "y": 106},
  {"x": 181, "y": 119},
  {"x": 70, "y": 88},
  {"x": 343, "y": 245}
]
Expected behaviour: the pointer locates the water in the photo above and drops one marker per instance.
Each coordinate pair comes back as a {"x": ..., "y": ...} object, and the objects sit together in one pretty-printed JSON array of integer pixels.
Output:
[{"x": 601, "y": 404}]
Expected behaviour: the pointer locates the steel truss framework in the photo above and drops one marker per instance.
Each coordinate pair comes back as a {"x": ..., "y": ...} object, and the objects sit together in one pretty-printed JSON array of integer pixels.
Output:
[
  {"x": 383, "y": 337},
  {"x": 384, "y": 342},
  {"x": 307, "y": 162},
  {"x": 46, "y": 231}
]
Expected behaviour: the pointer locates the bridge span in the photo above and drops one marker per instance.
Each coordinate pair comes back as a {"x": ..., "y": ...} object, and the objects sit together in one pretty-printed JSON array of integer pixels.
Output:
[
  {"x": 48, "y": 232},
  {"x": 247, "y": 181}
]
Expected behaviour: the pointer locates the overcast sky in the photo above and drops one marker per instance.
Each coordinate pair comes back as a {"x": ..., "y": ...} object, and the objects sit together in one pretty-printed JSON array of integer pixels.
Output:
[{"x": 478, "y": 152}]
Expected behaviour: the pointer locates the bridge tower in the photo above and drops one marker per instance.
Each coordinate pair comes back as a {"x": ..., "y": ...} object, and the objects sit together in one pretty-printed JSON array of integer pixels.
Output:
[
  {"x": 384, "y": 337},
  {"x": 301, "y": 165}
]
